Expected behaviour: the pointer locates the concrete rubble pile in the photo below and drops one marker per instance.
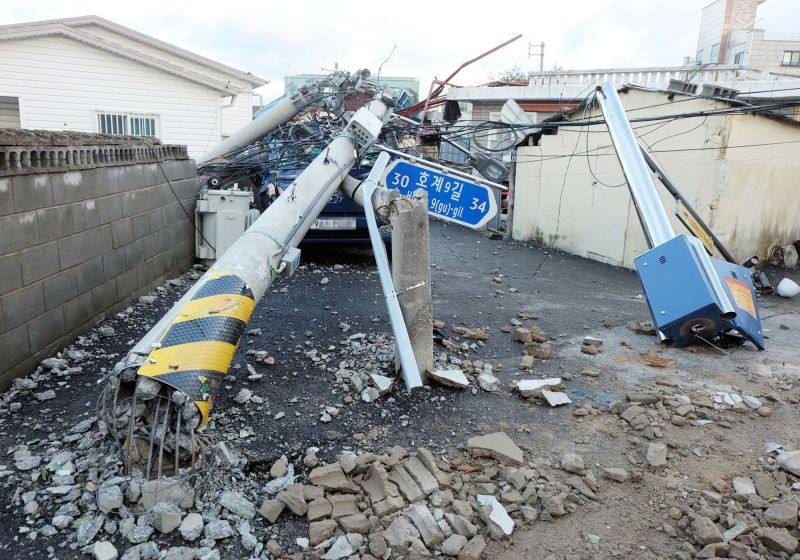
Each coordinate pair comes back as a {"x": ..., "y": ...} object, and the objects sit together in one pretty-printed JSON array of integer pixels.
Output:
[{"x": 752, "y": 516}]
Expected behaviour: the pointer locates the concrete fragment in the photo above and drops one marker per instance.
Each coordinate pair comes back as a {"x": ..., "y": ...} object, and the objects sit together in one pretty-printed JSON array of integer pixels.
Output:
[
  {"x": 779, "y": 540},
  {"x": 218, "y": 529},
  {"x": 165, "y": 517},
  {"x": 450, "y": 378},
  {"x": 495, "y": 516},
  {"x": 356, "y": 523},
  {"x": 615, "y": 474},
  {"x": 453, "y": 544},
  {"x": 271, "y": 509},
  {"x": 401, "y": 533},
  {"x": 790, "y": 461},
  {"x": 320, "y": 531},
  {"x": 421, "y": 475},
  {"x": 279, "y": 468},
  {"x": 657, "y": 455},
  {"x": 237, "y": 504},
  {"x": 191, "y": 527},
  {"x": 341, "y": 549},
  {"x": 382, "y": 383},
  {"x": 109, "y": 498},
  {"x": 497, "y": 446},
  {"x": 294, "y": 499},
  {"x": 427, "y": 459},
  {"x": 488, "y": 382},
  {"x": 330, "y": 477},
  {"x": 534, "y": 387},
  {"x": 166, "y": 490},
  {"x": 572, "y": 462},
  {"x": 104, "y": 550},
  {"x": 423, "y": 520},
  {"x": 737, "y": 530},
  {"x": 473, "y": 549},
  {"x": 343, "y": 505},
  {"x": 705, "y": 531},
  {"x": 782, "y": 514},
  {"x": 461, "y": 524},
  {"x": 410, "y": 490},
  {"x": 555, "y": 398},
  {"x": 319, "y": 509},
  {"x": 743, "y": 486},
  {"x": 388, "y": 506}
]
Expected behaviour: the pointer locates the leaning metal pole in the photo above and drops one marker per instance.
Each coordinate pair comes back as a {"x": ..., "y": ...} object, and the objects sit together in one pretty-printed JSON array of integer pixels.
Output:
[
  {"x": 179, "y": 366},
  {"x": 655, "y": 222}
]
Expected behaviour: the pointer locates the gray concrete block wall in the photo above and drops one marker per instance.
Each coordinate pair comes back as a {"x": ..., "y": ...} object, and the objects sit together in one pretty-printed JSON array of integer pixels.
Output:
[{"x": 77, "y": 245}]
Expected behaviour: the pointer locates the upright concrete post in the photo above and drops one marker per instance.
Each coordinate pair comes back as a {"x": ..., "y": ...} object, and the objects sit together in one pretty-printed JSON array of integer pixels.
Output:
[{"x": 411, "y": 270}]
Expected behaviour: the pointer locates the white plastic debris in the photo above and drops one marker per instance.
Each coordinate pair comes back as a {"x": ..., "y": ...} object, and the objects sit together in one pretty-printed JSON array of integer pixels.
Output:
[{"x": 788, "y": 288}]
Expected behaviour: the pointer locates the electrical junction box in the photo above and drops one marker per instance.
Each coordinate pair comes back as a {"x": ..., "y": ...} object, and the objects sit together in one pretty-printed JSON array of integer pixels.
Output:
[
  {"x": 221, "y": 217},
  {"x": 693, "y": 296}
]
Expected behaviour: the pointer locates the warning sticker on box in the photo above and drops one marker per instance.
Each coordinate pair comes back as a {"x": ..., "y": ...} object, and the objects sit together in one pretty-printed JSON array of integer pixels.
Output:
[{"x": 742, "y": 295}]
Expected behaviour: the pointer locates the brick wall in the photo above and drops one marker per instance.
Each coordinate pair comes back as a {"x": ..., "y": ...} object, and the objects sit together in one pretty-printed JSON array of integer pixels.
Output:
[{"x": 87, "y": 224}]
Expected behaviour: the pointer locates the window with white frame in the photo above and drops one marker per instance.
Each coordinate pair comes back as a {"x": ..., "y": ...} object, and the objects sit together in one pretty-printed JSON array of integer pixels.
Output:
[
  {"x": 135, "y": 124},
  {"x": 714, "y": 53},
  {"x": 791, "y": 58},
  {"x": 739, "y": 58}
]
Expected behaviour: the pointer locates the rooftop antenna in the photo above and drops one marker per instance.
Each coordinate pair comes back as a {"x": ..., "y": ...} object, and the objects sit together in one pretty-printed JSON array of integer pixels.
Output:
[{"x": 540, "y": 54}]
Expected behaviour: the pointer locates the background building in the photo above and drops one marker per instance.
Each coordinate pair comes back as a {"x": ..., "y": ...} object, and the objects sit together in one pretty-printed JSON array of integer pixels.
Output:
[
  {"x": 729, "y": 35},
  {"x": 89, "y": 74}
]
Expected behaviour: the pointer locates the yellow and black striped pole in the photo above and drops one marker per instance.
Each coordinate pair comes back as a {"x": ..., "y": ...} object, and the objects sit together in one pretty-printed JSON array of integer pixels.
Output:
[{"x": 197, "y": 348}]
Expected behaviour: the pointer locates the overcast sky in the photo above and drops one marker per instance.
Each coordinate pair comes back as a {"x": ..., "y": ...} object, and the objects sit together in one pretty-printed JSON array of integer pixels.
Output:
[{"x": 276, "y": 38}]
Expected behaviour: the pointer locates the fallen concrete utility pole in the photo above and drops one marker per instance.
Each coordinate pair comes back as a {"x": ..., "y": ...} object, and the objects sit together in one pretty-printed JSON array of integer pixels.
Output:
[
  {"x": 411, "y": 270},
  {"x": 181, "y": 363},
  {"x": 692, "y": 297}
]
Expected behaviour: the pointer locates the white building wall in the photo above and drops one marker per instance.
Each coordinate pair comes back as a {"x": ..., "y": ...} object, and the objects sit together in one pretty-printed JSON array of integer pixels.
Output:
[
  {"x": 711, "y": 23},
  {"x": 767, "y": 54},
  {"x": 237, "y": 114},
  {"x": 61, "y": 83},
  {"x": 578, "y": 202}
]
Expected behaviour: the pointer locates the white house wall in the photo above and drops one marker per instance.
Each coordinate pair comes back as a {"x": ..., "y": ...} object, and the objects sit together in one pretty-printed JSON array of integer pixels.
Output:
[
  {"x": 237, "y": 115},
  {"x": 749, "y": 196},
  {"x": 61, "y": 83}
]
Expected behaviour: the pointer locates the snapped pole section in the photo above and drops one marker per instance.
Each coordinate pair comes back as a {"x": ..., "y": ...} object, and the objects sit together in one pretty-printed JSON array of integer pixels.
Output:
[
  {"x": 408, "y": 362},
  {"x": 654, "y": 219},
  {"x": 411, "y": 271}
]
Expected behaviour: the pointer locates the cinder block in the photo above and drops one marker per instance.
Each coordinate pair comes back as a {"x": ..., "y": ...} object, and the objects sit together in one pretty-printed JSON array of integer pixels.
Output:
[
  {"x": 119, "y": 179},
  {"x": 134, "y": 255},
  {"x": 6, "y": 196},
  {"x": 85, "y": 215},
  {"x": 151, "y": 246},
  {"x": 187, "y": 188},
  {"x": 104, "y": 296},
  {"x": 32, "y": 191},
  {"x": 127, "y": 284},
  {"x": 14, "y": 347},
  {"x": 141, "y": 226},
  {"x": 133, "y": 202},
  {"x": 122, "y": 232},
  {"x": 156, "y": 219},
  {"x": 109, "y": 208},
  {"x": 114, "y": 263},
  {"x": 89, "y": 275},
  {"x": 146, "y": 273},
  {"x": 10, "y": 273},
  {"x": 67, "y": 187},
  {"x": 84, "y": 246},
  {"x": 18, "y": 231},
  {"x": 46, "y": 329},
  {"x": 77, "y": 311},
  {"x": 39, "y": 262},
  {"x": 20, "y": 306},
  {"x": 55, "y": 223},
  {"x": 163, "y": 195},
  {"x": 59, "y": 288},
  {"x": 95, "y": 182}
]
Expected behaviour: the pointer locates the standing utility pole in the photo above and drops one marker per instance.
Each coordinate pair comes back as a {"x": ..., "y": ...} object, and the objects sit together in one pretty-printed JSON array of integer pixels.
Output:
[{"x": 540, "y": 54}]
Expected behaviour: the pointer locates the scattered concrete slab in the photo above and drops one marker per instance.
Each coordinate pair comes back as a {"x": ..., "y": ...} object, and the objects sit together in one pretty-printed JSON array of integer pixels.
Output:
[
  {"x": 555, "y": 398},
  {"x": 450, "y": 378},
  {"x": 534, "y": 387},
  {"x": 495, "y": 516},
  {"x": 497, "y": 446}
]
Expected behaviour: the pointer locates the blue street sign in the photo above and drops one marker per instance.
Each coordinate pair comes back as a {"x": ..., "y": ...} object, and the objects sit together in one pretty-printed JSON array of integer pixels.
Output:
[{"x": 450, "y": 198}]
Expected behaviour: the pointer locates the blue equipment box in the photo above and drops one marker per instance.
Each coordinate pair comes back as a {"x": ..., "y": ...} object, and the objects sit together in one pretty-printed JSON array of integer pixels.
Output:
[{"x": 692, "y": 295}]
